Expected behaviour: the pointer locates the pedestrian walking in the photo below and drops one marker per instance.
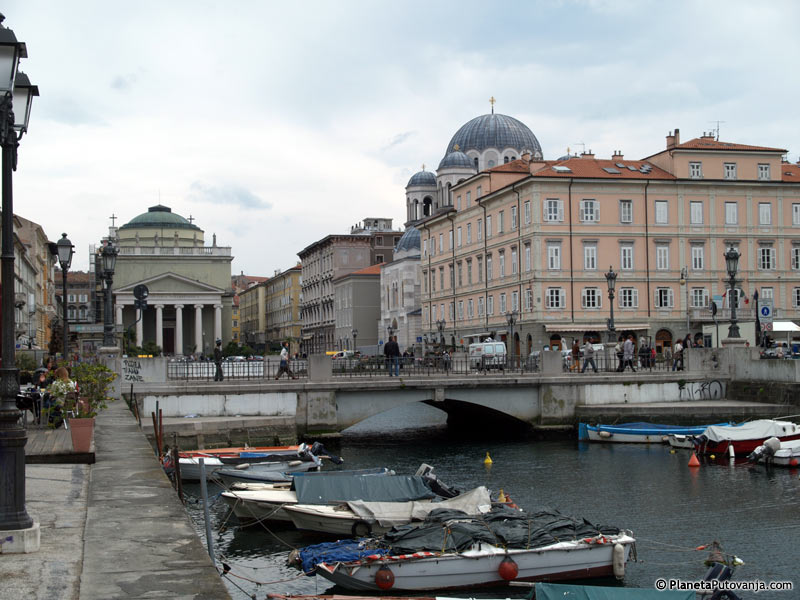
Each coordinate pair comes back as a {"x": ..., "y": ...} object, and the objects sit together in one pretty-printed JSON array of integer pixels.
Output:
[
  {"x": 677, "y": 356},
  {"x": 284, "y": 368},
  {"x": 627, "y": 354},
  {"x": 446, "y": 360},
  {"x": 588, "y": 356},
  {"x": 218, "y": 360},
  {"x": 576, "y": 356}
]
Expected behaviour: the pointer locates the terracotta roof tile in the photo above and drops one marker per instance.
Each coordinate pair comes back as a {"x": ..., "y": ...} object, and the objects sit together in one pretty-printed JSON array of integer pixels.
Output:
[
  {"x": 593, "y": 168},
  {"x": 514, "y": 166},
  {"x": 706, "y": 143},
  {"x": 371, "y": 270},
  {"x": 790, "y": 173}
]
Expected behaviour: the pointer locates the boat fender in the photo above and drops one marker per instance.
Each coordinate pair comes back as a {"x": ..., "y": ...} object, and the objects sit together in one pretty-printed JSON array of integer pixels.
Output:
[
  {"x": 792, "y": 462},
  {"x": 508, "y": 569},
  {"x": 604, "y": 434},
  {"x": 295, "y": 463},
  {"x": 618, "y": 561},
  {"x": 242, "y": 466},
  {"x": 384, "y": 578},
  {"x": 361, "y": 529},
  {"x": 731, "y": 451}
]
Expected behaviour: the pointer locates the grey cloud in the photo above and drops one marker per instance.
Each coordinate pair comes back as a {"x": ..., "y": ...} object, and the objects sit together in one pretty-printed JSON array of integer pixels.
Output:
[
  {"x": 227, "y": 194},
  {"x": 398, "y": 139},
  {"x": 123, "y": 83}
]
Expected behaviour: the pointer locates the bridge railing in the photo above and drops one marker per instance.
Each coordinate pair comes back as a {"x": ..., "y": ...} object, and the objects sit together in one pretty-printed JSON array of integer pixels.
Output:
[
  {"x": 239, "y": 370},
  {"x": 433, "y": 365}
]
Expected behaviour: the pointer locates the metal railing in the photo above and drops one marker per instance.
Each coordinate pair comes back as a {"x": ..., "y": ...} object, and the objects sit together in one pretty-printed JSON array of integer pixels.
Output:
[
  {"x": 409, "y": 366},
  {"x": 233, "y": 370},
  {"x": 616, "y": 363}
]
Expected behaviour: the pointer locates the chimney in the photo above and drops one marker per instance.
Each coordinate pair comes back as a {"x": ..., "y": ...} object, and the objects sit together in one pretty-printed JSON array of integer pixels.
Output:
[
  {"x": 587, "y": 154},
  {"x": 617, "y": 155},
  {"x": 708, "y": 135},
  {"x": 670, "y": 140},
  {"x": 526, "y": 156},
  {"x": 677, "y": 137}
]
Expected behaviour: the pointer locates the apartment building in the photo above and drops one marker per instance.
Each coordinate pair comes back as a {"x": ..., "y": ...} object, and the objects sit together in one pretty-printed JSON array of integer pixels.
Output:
[{"x": 282, "y": 296}]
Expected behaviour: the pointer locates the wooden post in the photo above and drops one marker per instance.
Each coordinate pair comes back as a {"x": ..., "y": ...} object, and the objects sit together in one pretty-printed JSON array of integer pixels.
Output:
[
  {"x": 177, "y": 464},
  {"x": 155, "y": 433}
]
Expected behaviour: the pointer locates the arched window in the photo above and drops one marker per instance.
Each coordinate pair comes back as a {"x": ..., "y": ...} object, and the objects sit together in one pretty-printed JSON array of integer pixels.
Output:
[
  {"x": 505, "y": 160},
  {"x": 475, "y": 161}
]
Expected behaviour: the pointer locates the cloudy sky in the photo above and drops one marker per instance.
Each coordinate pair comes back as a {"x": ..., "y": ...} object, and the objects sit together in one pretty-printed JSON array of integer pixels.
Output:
[{"x": 276, "y": 123}]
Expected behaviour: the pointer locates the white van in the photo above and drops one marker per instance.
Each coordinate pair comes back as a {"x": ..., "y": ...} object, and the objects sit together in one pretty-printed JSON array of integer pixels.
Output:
[{"x": 487, "y": 354}]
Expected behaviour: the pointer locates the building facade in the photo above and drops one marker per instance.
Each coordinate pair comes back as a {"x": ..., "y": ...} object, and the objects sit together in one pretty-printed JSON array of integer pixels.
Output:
[
  {"x": 190, "y": 301},
  {"x": 42, "y": 311},
  {"x": 357, "y": 310},
  {"x": 283, "y": 296},
  {"x": 533, "y": 239},
  {"x": 384, "y": 238},
  {"x": 400, "y": 293},
  {"x": 253, "y": 316},
  {"x": 322, "y": 262}
]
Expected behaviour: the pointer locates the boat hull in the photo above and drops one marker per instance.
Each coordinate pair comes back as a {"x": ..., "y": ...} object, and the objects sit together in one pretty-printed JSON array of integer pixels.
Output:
[
  {"x": 562, "y": 561},
  {"x": 330, "y": 521},
  {"x": 681, "y": 441},
  {"x": 250, "y": 510},
  {"x": 635, "y": 433},
  {"x": 740, "y": 447}
]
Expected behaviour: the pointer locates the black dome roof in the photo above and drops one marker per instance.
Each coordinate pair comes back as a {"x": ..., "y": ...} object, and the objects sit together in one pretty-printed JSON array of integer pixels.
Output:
[
  {"x": 495, "y": 131},
  {"x": 457, "y": 159},
  {"x": 422, "y": 178}
]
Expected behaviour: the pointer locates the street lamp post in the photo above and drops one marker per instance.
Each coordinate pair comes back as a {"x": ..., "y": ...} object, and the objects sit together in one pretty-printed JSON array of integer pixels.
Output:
[
  {"x": 732, "y": 263},
  {"x": 511, "y": 318},
  {"x": 109, "y": 257},
  {"x": 685, "y": 283},
  {"x": 17, "y": 530},
  {"x": 611, "y": 281},
  {"x": 355, "y": 337},
  {"x": 65, "y": 251}
]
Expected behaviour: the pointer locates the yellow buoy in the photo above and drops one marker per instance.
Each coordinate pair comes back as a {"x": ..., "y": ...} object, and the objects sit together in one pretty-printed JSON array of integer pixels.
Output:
[
  {"x": 487, "y": 460},
  {"x": 501, "y": 497}
]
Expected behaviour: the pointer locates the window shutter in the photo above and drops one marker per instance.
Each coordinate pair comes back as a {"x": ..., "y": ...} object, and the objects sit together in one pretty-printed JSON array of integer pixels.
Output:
[
  {"x": 599, "y": 297},
  {"x": 635, "y": 298},
  {"x": 547, "y": 299},
  {"x": 563, "y": 297},
  {"x": 560, "y": 210},
  {"x": 655, "y": 299},
  {"x": 671, "y": 298},
  {"x": 596, "y": 211}
]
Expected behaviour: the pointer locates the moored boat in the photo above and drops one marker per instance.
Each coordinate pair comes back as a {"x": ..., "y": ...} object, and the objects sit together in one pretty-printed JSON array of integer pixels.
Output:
[
  {"x": 230, "y": 477},
  {"x": 677, "y": 440},
  {"x": 637, "y": 433},
  {"x": 743, "y": 439},
  {"x": 775, "y": 452}
]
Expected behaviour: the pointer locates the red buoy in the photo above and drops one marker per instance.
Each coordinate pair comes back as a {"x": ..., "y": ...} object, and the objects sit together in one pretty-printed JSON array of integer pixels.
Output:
[
  {"x": 508, "y": 569},
  {"x": 384, "y": 578},
  {"x": 693, "y": 462},
  {"x": 793, "y": 462}
]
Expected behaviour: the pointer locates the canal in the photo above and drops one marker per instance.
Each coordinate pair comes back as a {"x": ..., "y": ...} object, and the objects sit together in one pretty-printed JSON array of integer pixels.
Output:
[{"x": 752, "y": 511}]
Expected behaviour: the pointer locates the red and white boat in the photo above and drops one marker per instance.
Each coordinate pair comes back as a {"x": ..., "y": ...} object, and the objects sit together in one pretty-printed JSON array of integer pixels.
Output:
[{"x": 743, "y": 439}]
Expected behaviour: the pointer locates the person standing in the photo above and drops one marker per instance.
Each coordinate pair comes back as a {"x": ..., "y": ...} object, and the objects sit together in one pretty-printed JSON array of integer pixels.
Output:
[
  {"x": 576, "y": 356},
  {"x": 627, "y": 354},
  {"x": 218, "y": 360},
  {"x": 588, "y": 356},
  {"x": 392, "y": 352},
  {"x": 677, "y": 357},
  {"x": 284, "y": 368}
]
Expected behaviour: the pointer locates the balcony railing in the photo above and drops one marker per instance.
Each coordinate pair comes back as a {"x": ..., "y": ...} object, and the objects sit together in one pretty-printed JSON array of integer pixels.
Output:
[
  {"x": 703, "y": 315},
  {"x": 176, "y": 250}
]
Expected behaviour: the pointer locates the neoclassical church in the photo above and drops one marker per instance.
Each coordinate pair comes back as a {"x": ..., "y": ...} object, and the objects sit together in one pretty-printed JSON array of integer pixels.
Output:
[
  {"x": 190, "y": 296},
  {"x": 482, "y": 143}
]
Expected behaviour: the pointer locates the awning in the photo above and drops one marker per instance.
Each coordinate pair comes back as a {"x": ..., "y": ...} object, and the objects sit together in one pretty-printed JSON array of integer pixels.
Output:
[{"x": 573, "y": 327}]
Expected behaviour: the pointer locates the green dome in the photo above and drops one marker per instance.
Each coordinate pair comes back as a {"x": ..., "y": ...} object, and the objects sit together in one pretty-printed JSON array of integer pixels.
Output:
[{"x": 159, "y": 217}]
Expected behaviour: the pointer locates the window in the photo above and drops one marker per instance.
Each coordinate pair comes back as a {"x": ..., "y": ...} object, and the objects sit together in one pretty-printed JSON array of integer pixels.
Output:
[
  {"x": 626, "y": 211},
  {"x": 795, "y": 214},
  {"x": 441, "y": 312},
  {"x": 469, "y": 233},
  {"x": 590, "y": 257},
  {"x": 514, "y": 261},
  {"x": 696, "y": 213},
  {"x": 729, "y": 170},
  {"x": 433, "y": 280},
  {"x": 764, "y": 213},
  {"x": 766, "y": 257},
  {"x": 425, "y": 281},
  {"x": 379, "y": 258},
  {"x": 469, "y": 271},
  {"x": 695, "y": 170},
  {"x": 513, "y": 217},
  {"x": 528, "y": 300},
  {"x": 590, "y": 213},
  {"x": 502, "y": 256},
  {"x": 441, "y": 242},
  {"x": 664, "y": 298},
  {"x": 70, "y": 297},
  {"x": 71, "y": 313},
  {"x": 480, "y": 269},
  {"x": 515, "y": 301},
  {"x": 470, "y": 308},
  {"x": 503, "y": 307},
  {"x": 433, "y": 246},
  {"x": 488, "y": 226},
  {"x": 590, "y": 298},
  {"x": 662, "y": 214},
  {"x": 460, "y": 310},
  {"x": 469, "y": 196},
  {"x": 553, "y": 210},
  {"x": 458, "y": 202},
  {"x": 488, "y": 267},
  {"x": 441, "y": 278},
  {"x": 500, "y": 220},
  {"x": 82, "y": 312},
  {"x": 626, "y": 257},
  {"x": 459, "y": 273},
  {"x": 424, "y": 247},
  {"x": 458, "y": 237},
  {"x": 796, "y": 297},
  {"x": 452, "y": 311},
  {"x": 731, "y": 213},
  {"x": 763, "y": 171},
  {"x": 480, "y": 307},
  {"x": 767, "y": 293},
  {"x": 451, "y": 270},
  {"x": 698, "y": 258},
  {"x": 527, "y": 257},
  {"x": 699, "y": 297},
  {"x": 450, "y": 239},
  {"x": 527, "y": 212},
  {"x": 490, "y": 305},
  {"x": 379, "y": 240},
  {"x": 83, "y": 298},
  {"x": 628, "y": 298},
  {"x": 554, "y": 256},
  {"x": 480, "y": 229},
  {"x": 555, "y": 298},
  {"x": 796, "y": 257},
  {"x": 662, "y": 257}
]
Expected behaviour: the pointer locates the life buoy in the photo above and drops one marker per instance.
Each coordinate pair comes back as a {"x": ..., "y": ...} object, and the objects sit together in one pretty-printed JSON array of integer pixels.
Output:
[
  {"x": 384, "y": 578},
  {"x": 508, "y": 569},
  {"x": 361, "y": 529}
]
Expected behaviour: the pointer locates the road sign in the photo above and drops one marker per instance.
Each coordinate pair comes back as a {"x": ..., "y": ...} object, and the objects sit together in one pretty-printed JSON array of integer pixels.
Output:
[{"x": 765, "y": 312}]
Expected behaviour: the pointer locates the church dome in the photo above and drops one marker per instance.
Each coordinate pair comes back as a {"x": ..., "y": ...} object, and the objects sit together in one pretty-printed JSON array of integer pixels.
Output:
[
  {"x": 160, "y": 217},
  {"x": 422, "y": 178},
  {"x": 409, "y": 242},
  {"x": 456, "y": 159},
  {"x": 495, "y": 131}
]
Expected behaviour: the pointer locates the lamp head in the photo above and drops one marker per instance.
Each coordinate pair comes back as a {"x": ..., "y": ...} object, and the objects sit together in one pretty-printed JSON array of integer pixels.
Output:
[
  {"x": 732, "y": 261},
  {"x": 109, "y": 256},
  {"x": 611, "y": 279},
  {"x": 65, "y": 250}
]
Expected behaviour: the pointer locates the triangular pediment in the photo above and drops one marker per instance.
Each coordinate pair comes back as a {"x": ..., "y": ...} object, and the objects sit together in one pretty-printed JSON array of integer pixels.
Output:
[{"x": 171, "y": 283}]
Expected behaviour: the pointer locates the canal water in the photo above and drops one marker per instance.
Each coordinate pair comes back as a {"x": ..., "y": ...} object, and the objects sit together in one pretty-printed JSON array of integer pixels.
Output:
[{"x": 672, "y": 509}]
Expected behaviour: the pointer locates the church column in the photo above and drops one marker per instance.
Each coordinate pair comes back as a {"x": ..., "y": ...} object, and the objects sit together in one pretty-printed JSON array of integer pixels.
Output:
[
  {"x": 198, "y": 328},
  {"x": 160, "y": 325},
  {"x": 139, "y": 328},
  {"x": 217, "y": 322},
  {"x": 179, "y": 329}
]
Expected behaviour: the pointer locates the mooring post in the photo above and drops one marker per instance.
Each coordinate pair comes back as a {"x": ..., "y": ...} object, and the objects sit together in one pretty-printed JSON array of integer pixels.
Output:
[{"x": 204, "y": 494}]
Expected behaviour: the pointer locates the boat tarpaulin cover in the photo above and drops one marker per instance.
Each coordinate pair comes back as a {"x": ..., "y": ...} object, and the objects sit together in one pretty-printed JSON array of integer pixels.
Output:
[
  {"x": 388, "y": 488},
  {"x": 553, "y": 591},
  {"x": 761, "y": 429},
  {"x": 473, "y": 502},
  {"x": 448, "y": 531},
  {"x": 330, "y": 552}
]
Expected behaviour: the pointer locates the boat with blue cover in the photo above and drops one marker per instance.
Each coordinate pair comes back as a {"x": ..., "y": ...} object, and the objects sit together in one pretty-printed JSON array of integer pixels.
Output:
[{"x": 639, "y": 433}]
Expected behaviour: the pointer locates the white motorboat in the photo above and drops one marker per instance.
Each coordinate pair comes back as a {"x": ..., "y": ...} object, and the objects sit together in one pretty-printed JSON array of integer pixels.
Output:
[
  {"x": 361, "y": 519},
  {"x": 190, "y": 466},
  {"x": 775, "y": 452},
  {"x": 677, "y": 440}
]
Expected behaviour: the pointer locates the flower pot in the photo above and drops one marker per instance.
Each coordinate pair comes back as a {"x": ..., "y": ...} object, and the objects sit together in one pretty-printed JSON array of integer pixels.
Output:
[{"x": 81, "y": 431}]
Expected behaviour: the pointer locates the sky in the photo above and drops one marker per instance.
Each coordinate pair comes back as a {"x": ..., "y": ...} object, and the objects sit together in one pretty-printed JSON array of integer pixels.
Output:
[{"x": 274, "y": 124}]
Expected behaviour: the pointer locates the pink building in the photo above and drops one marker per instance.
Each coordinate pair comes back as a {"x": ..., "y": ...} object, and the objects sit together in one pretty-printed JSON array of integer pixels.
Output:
[{"x": 537, "y": 237}]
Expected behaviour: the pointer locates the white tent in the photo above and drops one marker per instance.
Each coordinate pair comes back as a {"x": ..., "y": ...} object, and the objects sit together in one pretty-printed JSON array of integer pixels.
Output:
[{"x": 785, "y": 326}]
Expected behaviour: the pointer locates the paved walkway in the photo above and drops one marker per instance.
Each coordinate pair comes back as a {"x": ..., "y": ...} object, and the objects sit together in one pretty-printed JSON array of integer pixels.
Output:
[{"x": 111, "y": 530}]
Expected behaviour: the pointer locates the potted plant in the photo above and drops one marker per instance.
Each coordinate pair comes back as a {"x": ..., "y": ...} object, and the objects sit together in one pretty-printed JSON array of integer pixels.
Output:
[{"x": 93, "y": 381}]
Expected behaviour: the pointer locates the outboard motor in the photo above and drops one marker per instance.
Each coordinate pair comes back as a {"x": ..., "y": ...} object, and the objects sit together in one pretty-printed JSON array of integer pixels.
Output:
[
  {"x": 317, "y": 449},
  {"x": 766, "y": 450}
]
